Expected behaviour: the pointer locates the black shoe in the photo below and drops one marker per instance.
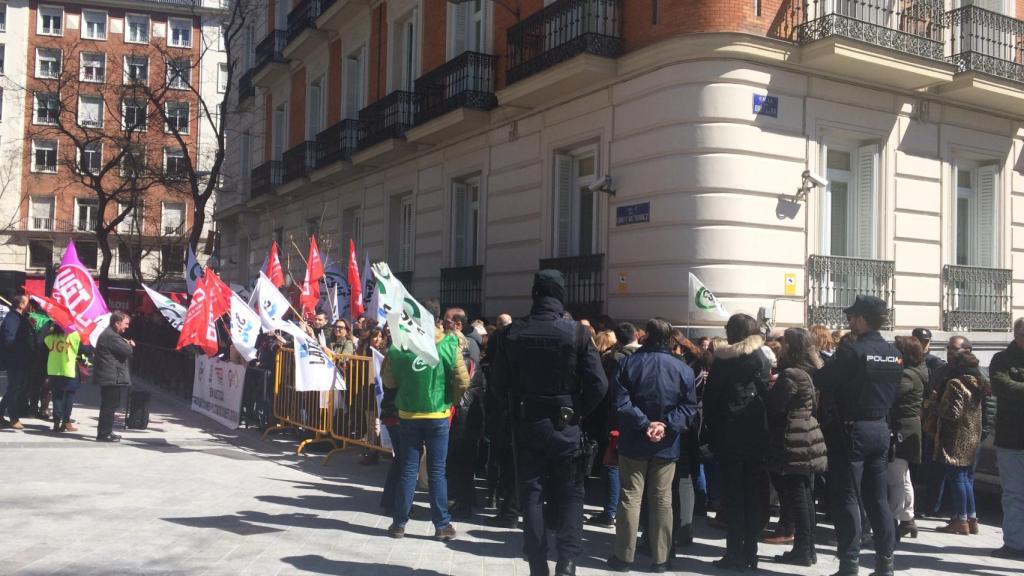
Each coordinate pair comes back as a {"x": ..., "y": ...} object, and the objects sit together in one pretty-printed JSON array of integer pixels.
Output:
[
  {"x": 847, "y": 569},
  {"x": 684, "y": 536},
  {"x": 108, "y": 438},
  {"x": 730, "y": 564},
  {"x": 57, "y": 427},
  {"x": 796, "y": 559},
  {"x": 565, "y": 568},
  {"x": 1008, "y": 553},
  {"x": 615, "y": 564},
  {"x": 661, "y": 568},
  {"x": 883, "y": 565},
  {"x": 602, "y": 519},
  {"x": 503, "y": 521}
]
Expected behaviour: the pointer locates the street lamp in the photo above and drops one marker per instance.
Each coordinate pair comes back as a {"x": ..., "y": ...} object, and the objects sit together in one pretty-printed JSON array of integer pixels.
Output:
[{"x": 514, "y": 11}]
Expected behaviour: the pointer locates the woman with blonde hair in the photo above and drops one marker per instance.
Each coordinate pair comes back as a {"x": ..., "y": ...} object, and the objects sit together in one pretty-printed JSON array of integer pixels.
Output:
[
  {"x": 821, "y": 337},
  {"x": 605, "y": 341}
]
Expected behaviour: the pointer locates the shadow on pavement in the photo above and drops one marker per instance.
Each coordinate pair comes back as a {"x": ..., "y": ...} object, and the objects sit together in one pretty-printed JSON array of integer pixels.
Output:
[{"x": 320, "y": 565}]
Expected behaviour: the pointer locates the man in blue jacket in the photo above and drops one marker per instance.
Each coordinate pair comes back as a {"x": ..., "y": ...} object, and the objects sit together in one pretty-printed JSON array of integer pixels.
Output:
[
  {"x": 656, "y": 402},
  {"x": 16, "y": 345}
]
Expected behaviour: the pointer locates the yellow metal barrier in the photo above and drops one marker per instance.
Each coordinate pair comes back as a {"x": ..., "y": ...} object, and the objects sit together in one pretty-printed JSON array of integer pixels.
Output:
[
  {"x": 299, "y": 410},
  {"x": 355, "y": 417}
]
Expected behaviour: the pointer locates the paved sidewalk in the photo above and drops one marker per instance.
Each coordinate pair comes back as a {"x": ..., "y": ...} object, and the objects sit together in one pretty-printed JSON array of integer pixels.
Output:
[{"x": 187, "y": 496}]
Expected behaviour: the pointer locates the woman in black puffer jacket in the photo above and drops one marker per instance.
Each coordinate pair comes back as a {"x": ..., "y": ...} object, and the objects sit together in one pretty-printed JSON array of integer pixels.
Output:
[
  {"x": 738, "y": 429},
  {"x": 796, "y": 446}
]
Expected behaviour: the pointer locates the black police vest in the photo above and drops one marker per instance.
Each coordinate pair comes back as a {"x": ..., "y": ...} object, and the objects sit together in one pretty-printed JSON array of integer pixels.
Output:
[
  {"x": 545, "y": 355},
  {"x": 870, "y": 394}
]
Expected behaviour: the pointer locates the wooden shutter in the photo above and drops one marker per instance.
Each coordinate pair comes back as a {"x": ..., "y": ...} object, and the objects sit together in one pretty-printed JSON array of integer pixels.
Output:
[
  {"x": 864, "y": 197},
  {"x": 459, "y": 221},
  {"x": 986, "y": 215},
  {"x": 460, "y": 28},
  {"x": 315, "y": 109},
  {"x": 563, "y": 205}
]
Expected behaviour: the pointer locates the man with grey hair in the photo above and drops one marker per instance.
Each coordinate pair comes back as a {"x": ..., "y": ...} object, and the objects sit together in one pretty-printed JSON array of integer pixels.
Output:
[
  {"x": 504, "y": 320},
  {"x": 1007, "y": 374}
]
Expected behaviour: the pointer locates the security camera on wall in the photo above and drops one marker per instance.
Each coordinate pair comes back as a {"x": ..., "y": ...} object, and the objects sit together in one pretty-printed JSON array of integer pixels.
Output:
[
  {"x": 816, "y": 179},
  {"x": 603, "y": 185}
]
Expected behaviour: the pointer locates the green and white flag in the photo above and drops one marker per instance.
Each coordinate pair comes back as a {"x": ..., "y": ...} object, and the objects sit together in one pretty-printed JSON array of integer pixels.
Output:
[
  {"x": 412, "y": 326},
  {"x": 193, "y": 271},
  {"x": 703, "y": 304}
]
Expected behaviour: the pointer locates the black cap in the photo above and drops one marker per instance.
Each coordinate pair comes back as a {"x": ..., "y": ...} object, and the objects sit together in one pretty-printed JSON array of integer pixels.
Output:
[
  {"x": 922, "y": 334},
  {"x": 868, "y": 307},
  {"x": 549, "y": 283}
]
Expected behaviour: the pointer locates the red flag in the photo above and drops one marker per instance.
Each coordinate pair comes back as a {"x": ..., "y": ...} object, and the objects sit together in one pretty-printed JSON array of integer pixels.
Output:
[
  {"x": 355, "y": 286},
  {"x": 218, "y": 292},
  {"x": 274, "y": 270},
  {"x": 58, "y": 312},
  {"x": 199, "y": 328},
  {"x": 311, "y": 285}
]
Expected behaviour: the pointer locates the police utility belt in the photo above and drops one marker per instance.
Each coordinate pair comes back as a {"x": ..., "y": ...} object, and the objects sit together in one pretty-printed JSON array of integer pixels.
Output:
[{"x": 558, "y": 409}]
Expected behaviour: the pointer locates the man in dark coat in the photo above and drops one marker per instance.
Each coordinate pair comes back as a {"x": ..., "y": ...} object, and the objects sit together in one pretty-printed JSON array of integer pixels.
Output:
[
  {"x": 110, "y": 373},
  {"x": 656, "y": 402},
  {"x": 16, "y": 345},
  {"x": 1007, "y": 374}
]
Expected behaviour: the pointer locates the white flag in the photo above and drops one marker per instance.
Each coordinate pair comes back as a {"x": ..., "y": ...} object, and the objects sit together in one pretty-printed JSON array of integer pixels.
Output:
[
  {"x": 314, "y": 370},
  {"x": 369, "y": 287},
  {"x": 334, "y": 286},
  {"x": 173, "y": 312},
  {"x": 703, "y": 304},
  {"x": 412, "y": 326},
  {"x": 378, "y": 388},
  {"x": 269, "y": 303},
  {"x": 245, "y": 328},
  {"x": 193, "y": 271}
]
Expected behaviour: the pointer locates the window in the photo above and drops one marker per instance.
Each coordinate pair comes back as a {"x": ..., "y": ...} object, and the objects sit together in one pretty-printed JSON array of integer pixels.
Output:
[
  {"x": 94, "y": 67},
  {"x": 280, "y": 133},
  {"x": 47, "y": 108},
  {"x": 133, "y": 218},
  {"x": 87, "y": 213},
  {"x": 48, "y": 62},
  {"x": 90, "y": 111},
  {"x": 222, "y": 78},
  {"x": 87, "y": 252},
  {"x": 174, "y": 163},
  {"x": 177, "y": 117},
  {"x": 172, "y": 218},
  {"x": 465, "y": 221},
  {"x": 975, "y": 210},
  {"x": 406, "y": 53},
  {"x": 245, "y": 158},
  {"x": 40, "y": 253},
  {"x": 137, "y": 29},
  {"x": 50, "y": 21},
  {"x": 249, "y": 47},
  {"x": 172, "y": 259},
  {"x": 468, "y": 30},
  {"x": 849, "y": 202},
  {"x": 44, "y": 156},
  {"x": 41, "y": 210},
  {"x": 355, "y": 83},
  {"x": 180, "y": 35},
  {"x": 90, "y": 158},
  {"x": 3, "y": 17},
  {"x": 134, "y": 116},
  {"x": 94, "y": 25},
  {"x": 179, "y": 74},
  {"x": 314, "y": 111},
  {"x": 133, "y": 161},
  {"x": 351, "y": 227},
  {"x": 1, "y": 103},
  {"x": 3, "y": 51},
  {"x": 576, "y": 207},
  {"x": 402, "y": 233},
  {"x": 127, "y": 259},
  {"x": 136, "y": 69}
]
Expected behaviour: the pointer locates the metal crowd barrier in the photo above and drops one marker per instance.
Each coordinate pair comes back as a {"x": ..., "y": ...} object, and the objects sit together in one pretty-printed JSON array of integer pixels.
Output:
[
  {"x": 296, "y": 410},
  {"x": 172, "y": 370}
]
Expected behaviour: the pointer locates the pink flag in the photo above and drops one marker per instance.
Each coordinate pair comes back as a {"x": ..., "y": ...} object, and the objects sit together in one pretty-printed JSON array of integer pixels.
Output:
[{"x": 75, "y": 289}]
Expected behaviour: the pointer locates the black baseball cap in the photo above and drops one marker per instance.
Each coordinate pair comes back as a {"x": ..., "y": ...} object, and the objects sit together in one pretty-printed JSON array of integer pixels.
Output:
[
  {"x": 868, "y": 307},
  {"x": 922, "y": 334}
]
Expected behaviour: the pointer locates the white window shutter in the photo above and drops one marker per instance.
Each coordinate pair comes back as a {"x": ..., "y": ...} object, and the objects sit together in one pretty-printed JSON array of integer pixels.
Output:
[
  {"x": 353, "y": 84},
  {"x": 459, "y": 208},
  {"x": 405, "y": 254},
  {"x": 460, "y": 28},
  {"x": 986, "y": 213},
  {"x": 867, "y": 190},
  {"x": 564, "y": 203}
]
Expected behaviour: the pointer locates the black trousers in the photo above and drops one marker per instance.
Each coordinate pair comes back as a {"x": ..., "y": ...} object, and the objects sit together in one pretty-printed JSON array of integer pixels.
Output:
[
  {"x": 110, "y": 397},
  {"x": 745, "y": 494},
  {"x": 785, "y": 510},
  {"x": 858, "y": 460},
  {"x": 799, "y": 498}
]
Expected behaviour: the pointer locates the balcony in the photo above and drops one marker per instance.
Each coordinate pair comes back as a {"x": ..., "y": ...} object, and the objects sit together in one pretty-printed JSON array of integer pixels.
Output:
[
  {"x": 454, "y": 98},
  {"x": 303, "y": 36},
  {"x": 584, "y": 283},
  {"x": 271, "y": 64},
  {"x": 85, "y": 224},
  {"x": 568, "y": 44},
  {"x": 336, "y": 14},
  {"x": 265, "y": 179},
  {"x": 463, "y": 288},
  {"x": 976, "y": 299},
  {"x": 246, "y": 89},
  {"x": 173, "y": 229},
  {"x": 298, "y": 161},
  {"x": 384, "y": 125},
  {"x": 987, "y": 50},
  {"x": 896, "y": 43},
  {"x": 834, "y": 282},
  {"x": 337, "y": 143}
]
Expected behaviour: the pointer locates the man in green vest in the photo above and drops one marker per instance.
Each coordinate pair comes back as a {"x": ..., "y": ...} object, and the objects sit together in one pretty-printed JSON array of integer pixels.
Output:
[{"x": 424, "y": 400}]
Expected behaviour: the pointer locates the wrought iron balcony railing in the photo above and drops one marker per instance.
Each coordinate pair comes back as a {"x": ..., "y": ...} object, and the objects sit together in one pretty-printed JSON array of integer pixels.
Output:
[
  {"x": 86, "y": 225},
  {"x": 270, "y": 49},
  {"x": 174, "y": 230},
  {"x": 338, "y": 142},
  {"x": 976, "y": 299},
  {"x": 302, "y": 17},
  {"x": 299, "y": 161},
  {"x": 584, "y": 283},
  {"x": 387, "y": 118},
  {"x": 466, "y": 81},
  {"x": 265, "y": 178},
  {"x": 986, "y": 42},
  {"x": 463, "y": 288},
  {"x": 562, "y": 30},
  {"x": 834, "y": 282},
  {"x": 910, "y": 26},
  {"x": 246, "y": 89}
]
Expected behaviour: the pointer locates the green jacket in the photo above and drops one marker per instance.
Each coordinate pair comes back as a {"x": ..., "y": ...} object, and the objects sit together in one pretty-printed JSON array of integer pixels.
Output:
[
  {"x": 425, "y": 392},
  {"x": 63, "y": 354},
  {"x": 1006, "y": 373}
]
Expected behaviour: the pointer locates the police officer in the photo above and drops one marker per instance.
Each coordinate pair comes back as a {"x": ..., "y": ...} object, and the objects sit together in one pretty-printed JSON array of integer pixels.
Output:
[
  {"x": 549, "y": 372},
  {"x": 861, "y": 380}
]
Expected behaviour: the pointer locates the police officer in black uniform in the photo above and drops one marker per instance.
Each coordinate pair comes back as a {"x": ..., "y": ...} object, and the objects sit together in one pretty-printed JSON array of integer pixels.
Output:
[
  {"x": 549, "y": 373},
  {"x": 861, "y": 380}
]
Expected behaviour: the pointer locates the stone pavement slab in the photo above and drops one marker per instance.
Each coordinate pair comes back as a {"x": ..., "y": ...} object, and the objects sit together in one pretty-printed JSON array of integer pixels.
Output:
[{"x": 188, "y": 496}]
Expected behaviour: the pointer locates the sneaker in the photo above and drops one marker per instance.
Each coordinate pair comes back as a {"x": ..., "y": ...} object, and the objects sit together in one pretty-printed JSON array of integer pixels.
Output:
[
  {"x": 603, "y": 519},
  {"x": 396, "y": 531},
  {"x": 1008, "y": 553},
  {"x": 445, "y": 534}
]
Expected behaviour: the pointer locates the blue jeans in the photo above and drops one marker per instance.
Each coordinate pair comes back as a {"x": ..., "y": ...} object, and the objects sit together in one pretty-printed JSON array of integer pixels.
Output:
[
  {"x": 63, "y": 401},
  {"x": 387, "y": 499},
  {"x": 433, "y": 433},
  {"x": 611, "y": 504},
  {"x": 1011, "y": 475},
  {"x": 961, "y": 482},
  {"x": 15, "y": 395}
]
